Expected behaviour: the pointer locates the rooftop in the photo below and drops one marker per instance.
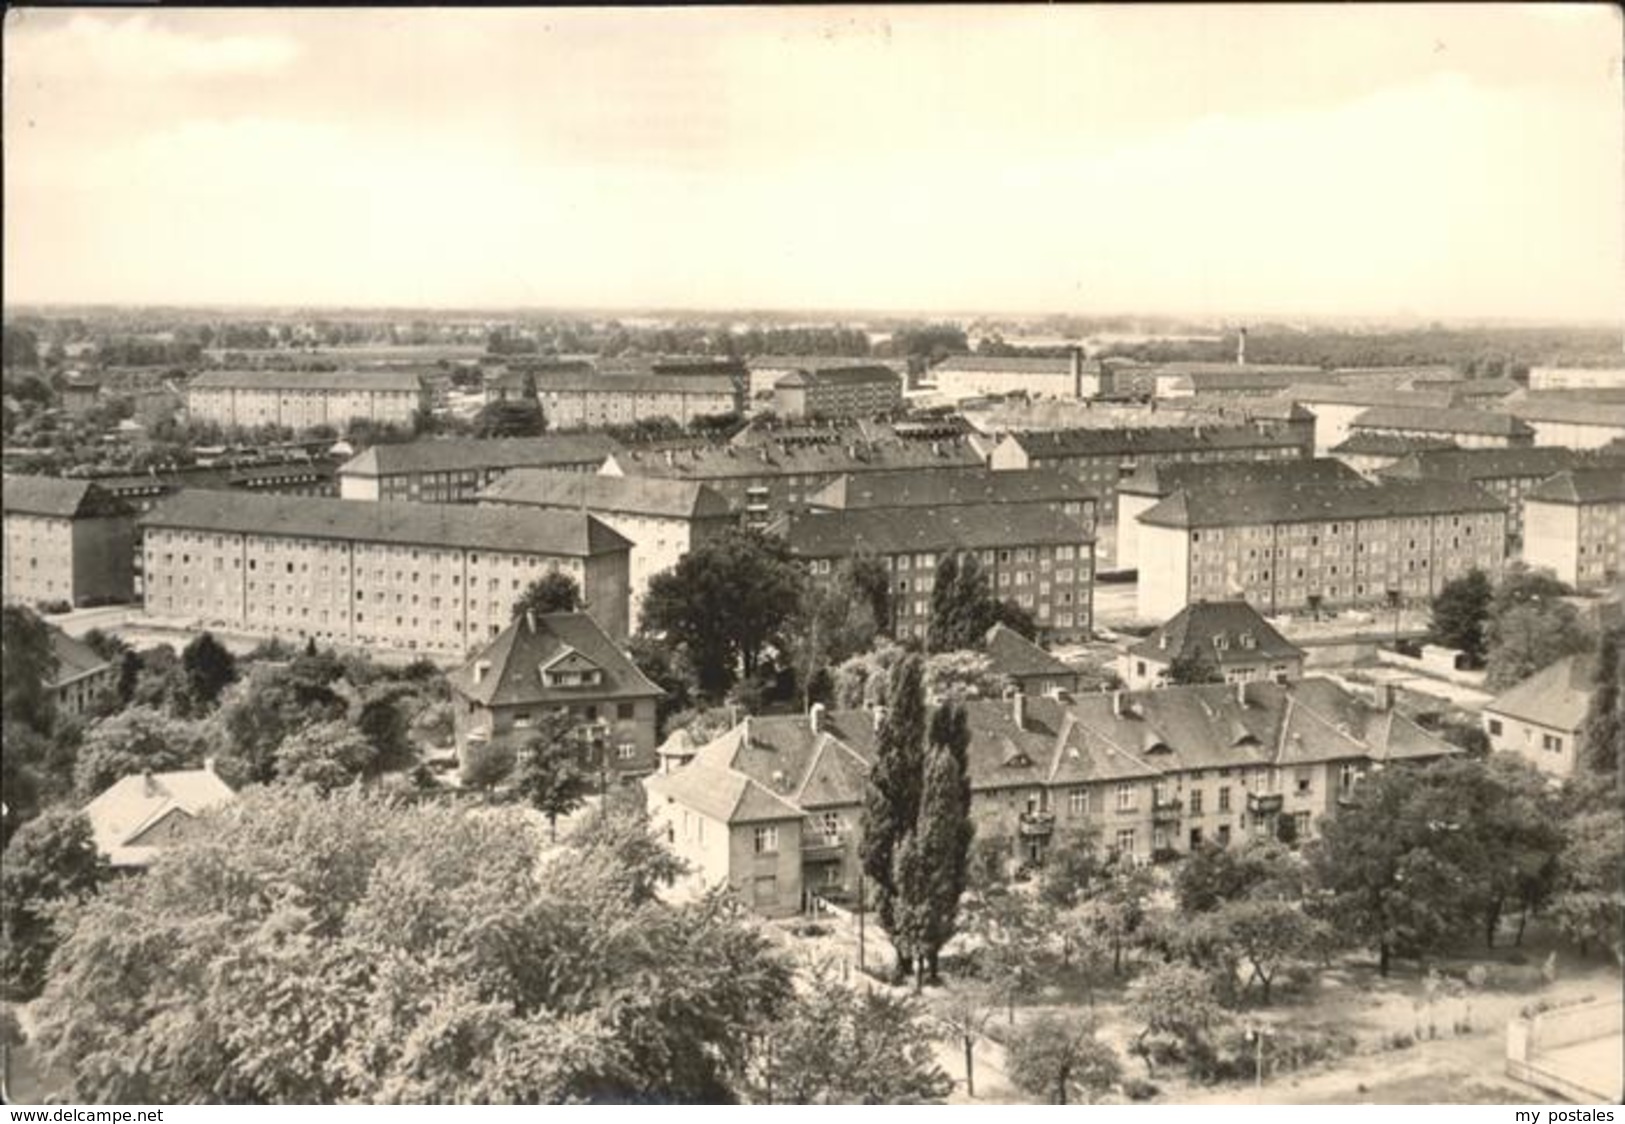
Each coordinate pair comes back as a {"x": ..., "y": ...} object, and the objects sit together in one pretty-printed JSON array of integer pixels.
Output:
[
  {"x": 1147, "y": 440},
  {"x": 1484, "y": 464},
  {"x": 74, "y": 658},
  {"x": 633, "y": 382},
  {"x": 1285, "y": 503},
  {"x": 498, "y": 529},
  {"x": 1366, "y": 443},
  {"x": 781, "y": 458},
  {"x": 1012, "y": 654},
  {"x": 454, "y": 454},
  {"x": 917, "y": 488},
  {"x": 1224, "y": 632},
  {"x": 1556, "y": 697},
  {"x": 507, "y": 671},
  {"x": 1538, "y": 407},
  {"x": 134, "y": 804},
  {"x": 1592, "y": 485},
  {"x": 634, "y": 495},
  {"x": 1024, "y": 364},
  {"x": 841, "y": 376},
  {"x": 918, "y": 529},
  {"x": 55, "y": 497},
  {"x": 1432, "y": 420},
  {"x": 1337, "y": 394},
  {"x": 364, "y": 380},
  {"x": 1162, "y": 479}
]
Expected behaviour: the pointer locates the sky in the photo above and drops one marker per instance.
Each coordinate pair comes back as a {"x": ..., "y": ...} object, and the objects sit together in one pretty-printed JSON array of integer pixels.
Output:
[{"x": 1444, "y": 162}]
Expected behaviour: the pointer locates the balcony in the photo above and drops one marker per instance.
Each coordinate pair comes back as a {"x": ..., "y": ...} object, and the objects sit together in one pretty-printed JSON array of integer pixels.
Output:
[
  {"x": 1036, "y": 824},
  {"x": 1164, "y": 810},
  {"x": 1264, "y": 803},
  {"x": 822, "y": 846}
]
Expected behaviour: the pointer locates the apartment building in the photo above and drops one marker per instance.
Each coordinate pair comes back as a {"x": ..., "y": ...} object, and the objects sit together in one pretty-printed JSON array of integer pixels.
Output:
[
  {"x": 1543, "y": 718},
  {"x": 765, "y": 371},
  {"x": 1336, "y": 405},
  {"x": 662, "y": 519},
  {"x": 1370, "y": 453},
  {"x": 301, "y": 400},
  {"x": 1187, "y": 380},
  {"x": 973, "y": 376},
  {"x": 1063, "y": 494},
  {"x": 1507, "y": 474},
  {"x": 838, "y": 392},
  {"x": 1574, "y": 525},
  {"x": 66, "y": 540},
  {"x": 1155, "y": 482},
  {"x": 437, "y": 579},
  {"x": 780, "y": 474},
  {"x": 457, "y": 469},
  {"x": 304, "y": 476},
  {"x": 1230, "y": 637},
  {"x": 551, "y": 662},
  {"x": 1576, "y": 378},
  {"x": 1103, "y": 458},
  {"x": 773, "y": 807},
  {"x": 1467, "y": 428},
  {"x": 597, "y": 399},
  {"x": 1031, "y": 555},
  {"x": 1284, "y": 548}
]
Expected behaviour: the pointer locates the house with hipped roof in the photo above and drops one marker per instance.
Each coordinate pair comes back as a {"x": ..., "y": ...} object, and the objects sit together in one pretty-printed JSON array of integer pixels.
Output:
[
  {"x": 1230, "y": 637},
  {"x": 773, "y": 808},
  {"x": 1542, "y": 719}
]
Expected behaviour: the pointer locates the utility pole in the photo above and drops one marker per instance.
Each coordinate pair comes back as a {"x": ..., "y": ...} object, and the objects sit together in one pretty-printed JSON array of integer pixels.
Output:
[{"x": 863, "y": 908}]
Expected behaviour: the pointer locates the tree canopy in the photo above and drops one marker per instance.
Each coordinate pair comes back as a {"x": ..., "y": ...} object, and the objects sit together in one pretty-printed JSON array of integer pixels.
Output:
[
  {"x": 553, "y": 592},
  {"x": 1460, "y": 611}
]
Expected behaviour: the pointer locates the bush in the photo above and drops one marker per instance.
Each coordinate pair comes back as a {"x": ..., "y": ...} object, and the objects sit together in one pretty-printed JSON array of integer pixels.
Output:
[
  {"x": 486, "y": 764},
  {"x": 1139, "y": 1089},
  {"x": 53, "y": 608},
  {"x": 811, "y": 929},
  {"x": 1400, "y": 1040}
]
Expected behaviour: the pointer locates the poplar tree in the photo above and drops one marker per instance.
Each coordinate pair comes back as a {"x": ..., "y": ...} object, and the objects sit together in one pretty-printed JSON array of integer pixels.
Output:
[
  {"x": 892, "y": 803},
  {"x": 943, "y": 633}
]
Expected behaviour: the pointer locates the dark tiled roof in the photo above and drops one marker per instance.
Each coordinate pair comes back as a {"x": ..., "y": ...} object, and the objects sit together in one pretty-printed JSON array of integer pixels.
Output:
[
  {"x": 299, "y": 381},
  {"x": 1239, "y": 370},
  {"x": 1596, "y": 485},
  {"x": 1206, "y": 507},
  {"x": 567, "y": 382},
  {"x": 1484, "y": 464},
  {"x": 453, "y": 454},
  {"x": 57, "y": 497},
  {"x": 810, "y": 362},
  {"x": 841, "y": 376},
  {"x": 1337, "y": 394},
  {"x": 563, "y": 533},
  {"x": 514, "y": 657},
  {"x": 921, "y": 488},
  {"x": 1164, "y": 479},
  {"x": 1147, "y": 440},
  {"x": 1556, "y": 697},
  {"x": 1366, "y": 443},
  {"x": 1196, "y": 629},
  {"x": 1430, "y": 420},
  {"x": 797, "y": 459},
  {"x": 74, "y": 658},
  {"x": 1016, "y": 364},
  {"x": 903, "y": 530},
  {"x": 1574, "y": 410},
  {"x": 633, "y": 495}
]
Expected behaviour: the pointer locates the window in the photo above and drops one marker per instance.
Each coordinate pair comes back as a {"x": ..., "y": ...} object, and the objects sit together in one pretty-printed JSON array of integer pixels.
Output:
[
  {"x": 625, "y": 751},
  {"x": 1125, "y": 798},
  {"x": 767, "y": 841},
  {"x": 1196, "y": 801},
  {"x": 1300, "y": 823},
  {"x": 623, "y": 710},
  {"x": 1304, "y": 778},
  {"x": 1495, "y": 727},
  {"x": 1224, "y": 798},
  {"x": 1077, "y": 801},
  {"x": 829, "y": 825},
  {"x": 1125, "y": 842},
  {"x": 1346, "y": 776},
  {"x": 1551, "y": 743}
]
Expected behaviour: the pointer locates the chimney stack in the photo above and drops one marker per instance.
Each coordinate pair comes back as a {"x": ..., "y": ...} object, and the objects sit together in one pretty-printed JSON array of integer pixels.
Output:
[
  {"x": 1018, "y": 710},
  {"x": 1076, "y": 355},
  {"x": 1241, "y": 347}
]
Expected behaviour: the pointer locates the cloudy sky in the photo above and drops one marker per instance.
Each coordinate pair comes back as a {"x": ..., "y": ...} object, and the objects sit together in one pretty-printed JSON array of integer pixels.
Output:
[{"x": 1451, "y": 161}]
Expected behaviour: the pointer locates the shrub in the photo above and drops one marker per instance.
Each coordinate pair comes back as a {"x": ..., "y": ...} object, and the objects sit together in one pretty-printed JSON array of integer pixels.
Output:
[
  {"x": 811, "y": 929},
  {"x": 486, "y": 764},
  {"x": 53, "y": 608},
  {"x": 1400, "y": 1040},
  {"x": 1139, "y": 1089}
]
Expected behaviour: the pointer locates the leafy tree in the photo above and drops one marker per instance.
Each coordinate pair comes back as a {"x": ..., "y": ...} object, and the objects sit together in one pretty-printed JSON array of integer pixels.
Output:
[
  {"x": 725, "y": 602},
  {"x": 963, "y": 608},
  {"x": 1195, "y": 668},
  {"x": 837, "y": 1045},
  {"x": 27, "y": 668},
  {"x": 1176, "y": 1005},
  {"x": 52, "y": 858},
  {"x": 866, "y": 577},
  {"x": 550, "y": 775},
  {"x": 1072, "y": 863},
  {"x": 835, "y": 623},
  {"x": 261, "y": 710},
  {"x": 1460, "y": 611},
  {"x": 325, "y": 756},
  {"x": 1118, "y": 911},
  {"x": 1269, "y": 934},
  {"x": 943, "y": 628},
  {"x": 931, "y": 863},
  {"x": 486, "y": 764},
  {"x": 553, "y": 592},
  {"x": 1531, "y": 636},
  {"x": 1012, "y": 932},
  {"x": 139, "y": 740},
  {"x": 1014, "y": 617},
  {"x": 513, "y": 417},
  {"x": 1213, "y": 875},
  {"x": 1605, "y": 718},
  {"x": 1588, "y": 904},
  {"x": 1061, "y": 1059},
  {"x": 966, "y": 1015},
  {"x": 210, "y": 669},
  {"x": 892, "y": 802},
  {"x": 962, "y": 675},
  {"x": 312, "y": 949},
  {"x": 1521, "y": 585},
  {"x": 381, "y": 718}
]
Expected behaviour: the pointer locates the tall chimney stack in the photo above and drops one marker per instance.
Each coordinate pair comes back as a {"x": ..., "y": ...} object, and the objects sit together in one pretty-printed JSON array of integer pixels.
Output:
[
  {"x": 1241, "y": 347},
  {"x": 1076, "y": 355}
]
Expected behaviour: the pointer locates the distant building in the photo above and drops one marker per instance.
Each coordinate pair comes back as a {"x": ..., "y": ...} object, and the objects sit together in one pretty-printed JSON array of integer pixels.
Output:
[
  {"x": 1032, "y": 556},
  {"x": 456, "y": 469},
  {"x": 838, "y": 392},
  {"x": 968, "y": 376},
  {"x": 597, "y": 400},
  {"x": 1572, "y": 378},
  {"x": 1571, "y": 421},
  {"x": 1028, "y": 667},
  {"x": 772, "y": 477},
  {"x": 1508, "y": 474},
  {"x": 313, "y": 476},
  {"x": 1152, "y": 483},
  {"x": 1574, "y": 525},
  {"x": 1230, "y": 636},
  {"x": 1283, "y": 548},
  {"x": 559, "y": 661},
  {"x": 413, "y": 577},
  {"x": 925, "y": 488},
  {"x": 80, "y": 394},
  {"x": 773, "y": 808},
  {"x": 1542, "y": 719},
  {"x": 1186, "y": 380},
  {"x": 766, "y": 370},
  {"x": 662, "y": 519},
  {"x": 1335, "y": 405},
  {"x": 82, "y": 679},
  {"x": 66, "y": 540},
  {"x": 301, "y": 400},
  {"x": 139, "y": 816},
  {"x": 1371, "y": 453},
  {"x": 1469, "y": 429}
]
